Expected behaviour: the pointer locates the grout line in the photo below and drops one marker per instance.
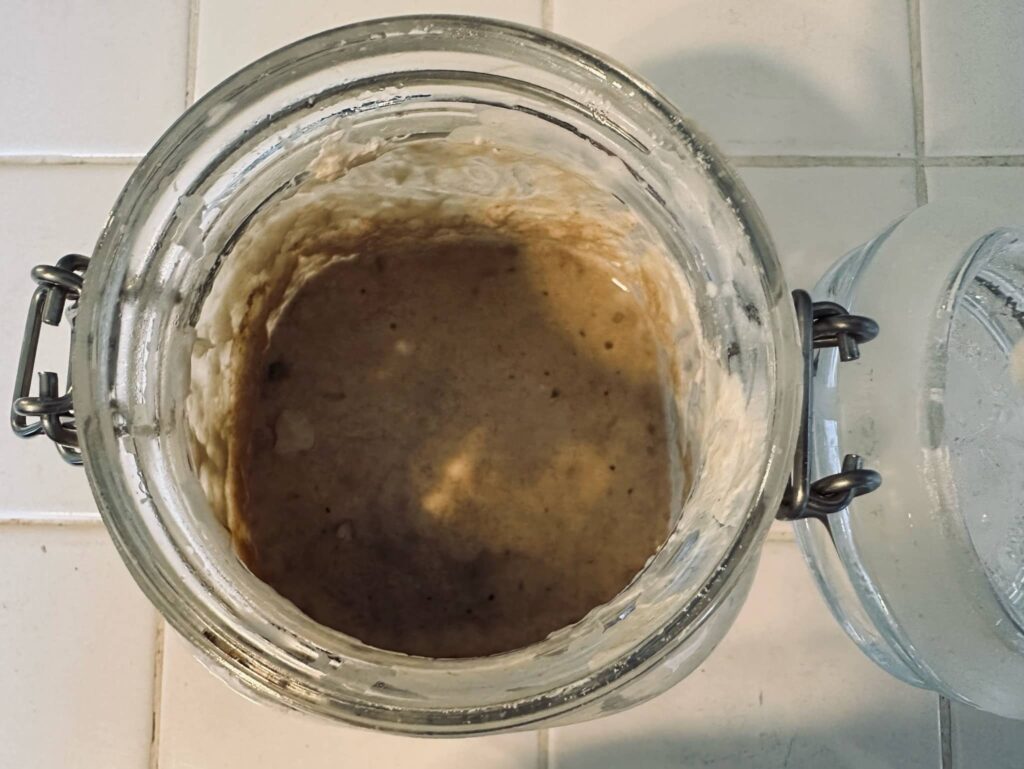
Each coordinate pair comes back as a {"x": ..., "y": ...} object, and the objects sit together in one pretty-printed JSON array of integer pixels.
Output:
[
  {"x": 975, "y": 161},
  {"x": 945, "y": 734},
  {"x": 158, "y": 689},
  {"x": 920, "y": 184},
  {"x": 52, "y": 519},
  {"x": 543, "y": 749},
  {"x": 68, "y": 160},
  {"x": 191, "y": 55},
  {"x": 816, "y": 161},
  {"x": 547, "y": 15},
  {"x": 917, "y": 95}
]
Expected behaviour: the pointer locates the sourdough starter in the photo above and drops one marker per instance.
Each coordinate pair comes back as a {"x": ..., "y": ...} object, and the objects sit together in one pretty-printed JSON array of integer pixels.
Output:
[{"x": 434, "y": 415}]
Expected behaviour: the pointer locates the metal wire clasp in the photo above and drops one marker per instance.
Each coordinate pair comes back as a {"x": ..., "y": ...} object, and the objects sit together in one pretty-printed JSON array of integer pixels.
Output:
[
  {"x": 48, "y": 412},
  {"x": 825, "y": 324}
]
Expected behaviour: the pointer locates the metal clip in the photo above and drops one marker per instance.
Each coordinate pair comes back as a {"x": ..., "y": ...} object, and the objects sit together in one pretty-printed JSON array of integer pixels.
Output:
[
  {"x": 48, "y": 412},
  {"x": 825, "y": 324}
]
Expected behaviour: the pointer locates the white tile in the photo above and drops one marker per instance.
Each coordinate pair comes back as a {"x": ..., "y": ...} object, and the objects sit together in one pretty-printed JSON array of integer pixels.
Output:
[
  {"x": 973, "y": 66},
  {"x": 45, "y": 212},
  {"x": 816, "y": 215},
  {"x": 773, "y": 77},
  {"x": 785, "y": 688},
  {"x": 76, "y": 652},
  {"x": 90, "y": 78},
  {"x": 781, "y": 531},
  {"x": 205, "y": 724},
  {"x": 983, "y": 740},
  {"x": 1000, "y": 185},
  {"x": 233, "y": 33}
]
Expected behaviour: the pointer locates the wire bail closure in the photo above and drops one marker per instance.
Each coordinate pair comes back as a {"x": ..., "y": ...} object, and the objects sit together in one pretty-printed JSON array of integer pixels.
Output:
[
  {"x": 50, "y": 412},
  {"x": 825, "y": 325}
]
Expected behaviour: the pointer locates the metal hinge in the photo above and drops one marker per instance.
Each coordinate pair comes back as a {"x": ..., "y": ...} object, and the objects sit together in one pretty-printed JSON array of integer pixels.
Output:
[
  {"x": 49, "y": 412},
  {"x": 825, "y": 324}
]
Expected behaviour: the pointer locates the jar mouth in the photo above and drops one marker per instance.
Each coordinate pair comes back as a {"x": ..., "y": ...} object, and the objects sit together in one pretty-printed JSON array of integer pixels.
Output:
[{"x": 166, "y": 239}]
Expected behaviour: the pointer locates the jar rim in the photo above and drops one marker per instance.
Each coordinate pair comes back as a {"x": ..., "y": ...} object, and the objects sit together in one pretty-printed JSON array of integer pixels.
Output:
[{"x": 118, "y": 471}]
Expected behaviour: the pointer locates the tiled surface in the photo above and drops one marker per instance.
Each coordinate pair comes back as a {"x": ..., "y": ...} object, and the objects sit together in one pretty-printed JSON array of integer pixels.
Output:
[
  {"x": 1002, "y": 184},
  {"x": 973, "y": 66},
  {"x": 85, "y": 78},
  {"x": 204, "y": 724},
  {"x": 45, "y": 212},
  {"x": 785, "y": 688},
  {"x": 774, "y": 77},
  {"x": 816, "y": 215},
  {"x": 985, "y": 741},
  {"x": 76, "y": 652},
  {"x": 257, "y": 28},
  {"x": 815, "y": 102}
]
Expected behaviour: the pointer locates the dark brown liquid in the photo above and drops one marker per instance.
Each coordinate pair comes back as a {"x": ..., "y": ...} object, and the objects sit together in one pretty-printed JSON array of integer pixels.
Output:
[{"x": 457, "y": 447}]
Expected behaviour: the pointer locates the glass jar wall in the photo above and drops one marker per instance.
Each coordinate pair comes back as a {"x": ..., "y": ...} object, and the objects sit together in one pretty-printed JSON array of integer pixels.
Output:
[{"x": 247, "y": 144}]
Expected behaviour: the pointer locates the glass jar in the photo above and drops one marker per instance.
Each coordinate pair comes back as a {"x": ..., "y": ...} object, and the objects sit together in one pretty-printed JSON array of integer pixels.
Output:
[
  {"x": 927, "y": 574},
  {"x": 245, "y": 145}
]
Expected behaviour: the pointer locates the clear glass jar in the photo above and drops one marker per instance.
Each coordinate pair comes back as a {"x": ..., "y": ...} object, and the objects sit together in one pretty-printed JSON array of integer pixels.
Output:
[
  {"x": 927, "y": 573},
  {"x": 241, "y": 147}
]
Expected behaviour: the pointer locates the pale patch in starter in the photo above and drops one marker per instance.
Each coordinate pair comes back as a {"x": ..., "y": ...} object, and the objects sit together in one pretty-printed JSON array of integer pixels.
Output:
[{"x": 293, "y": 433}]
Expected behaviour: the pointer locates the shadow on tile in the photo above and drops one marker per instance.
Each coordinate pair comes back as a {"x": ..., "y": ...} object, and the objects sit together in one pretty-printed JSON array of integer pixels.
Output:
[
  {"x": 726, "y": 90},
  {"x": 865, "y": 741},
  {"x": 784, "y": 688}
]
